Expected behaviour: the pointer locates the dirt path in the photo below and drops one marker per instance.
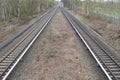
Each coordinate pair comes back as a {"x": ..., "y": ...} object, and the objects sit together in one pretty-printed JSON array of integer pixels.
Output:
[{"x": 58, "y": 55}]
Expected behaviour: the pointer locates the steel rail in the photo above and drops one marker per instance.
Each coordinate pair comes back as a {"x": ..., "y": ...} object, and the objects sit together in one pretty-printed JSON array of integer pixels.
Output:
[
  {"x": 75, "y": 24},
  {"x": 22, "y": 53},
  {"x": 102, "y": 48},
  {"x": 13, "y": 48},
  {"x": 10, "y": 40},
  {"x": 16, "y": 45}
]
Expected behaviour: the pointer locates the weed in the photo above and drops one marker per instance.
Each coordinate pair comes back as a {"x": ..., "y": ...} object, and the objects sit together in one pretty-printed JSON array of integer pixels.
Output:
[
  {"x": 50, "y": 54},
  {"x": 53, "y": 37},
  {"x": 70, "y": 60}
]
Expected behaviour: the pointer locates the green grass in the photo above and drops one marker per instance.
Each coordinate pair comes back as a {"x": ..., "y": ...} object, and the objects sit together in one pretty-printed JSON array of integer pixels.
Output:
[
  {"x": 114, "y": 12},
  {"x": 51, "y": 53}
]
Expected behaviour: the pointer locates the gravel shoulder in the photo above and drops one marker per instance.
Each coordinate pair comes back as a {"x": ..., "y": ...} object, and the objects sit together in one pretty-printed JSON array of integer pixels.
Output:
[{"x": 58, "y": 55}]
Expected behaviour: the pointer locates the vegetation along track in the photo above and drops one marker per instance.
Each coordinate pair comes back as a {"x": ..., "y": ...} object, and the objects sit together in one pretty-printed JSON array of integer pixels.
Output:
[
  {"x": 99, "y": 50},
  {"x": 15, "y": 54}
]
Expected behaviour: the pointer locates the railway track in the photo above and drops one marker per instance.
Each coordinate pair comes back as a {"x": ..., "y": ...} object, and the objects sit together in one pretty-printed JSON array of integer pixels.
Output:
[
  {"x": 15, "y": 54},
  {"x": 8, "y": 44},
  {"x": 99, "y": 50}
]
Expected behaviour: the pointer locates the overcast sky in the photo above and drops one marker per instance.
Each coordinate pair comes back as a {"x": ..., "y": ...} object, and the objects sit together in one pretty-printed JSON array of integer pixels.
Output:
[{"x": 58, "y": 0}]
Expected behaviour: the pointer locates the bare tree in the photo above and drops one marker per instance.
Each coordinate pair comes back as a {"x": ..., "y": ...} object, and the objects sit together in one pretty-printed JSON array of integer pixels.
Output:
[{"x": 22, "y": 8}]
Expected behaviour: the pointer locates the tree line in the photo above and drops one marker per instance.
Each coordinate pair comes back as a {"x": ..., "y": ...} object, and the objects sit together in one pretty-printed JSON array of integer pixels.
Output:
[
  {"x": 105, "y": 9},
  {"x": 22, "y": 8},
  {"x": 92, "y": 5}
]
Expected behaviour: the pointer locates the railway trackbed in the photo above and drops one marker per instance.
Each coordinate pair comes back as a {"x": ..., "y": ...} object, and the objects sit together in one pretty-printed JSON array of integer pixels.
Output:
[
  {"x": 11, "y": 42},
  {"x": 99, "y": 50},
  {"x": 22, "y": 42},
  {"x": 12, "y": 56}
]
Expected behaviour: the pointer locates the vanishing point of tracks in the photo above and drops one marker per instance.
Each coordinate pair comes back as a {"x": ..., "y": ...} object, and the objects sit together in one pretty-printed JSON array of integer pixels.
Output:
[
  {"x": 13, "y": 55},
  {"x": 99, "y": 50}
]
